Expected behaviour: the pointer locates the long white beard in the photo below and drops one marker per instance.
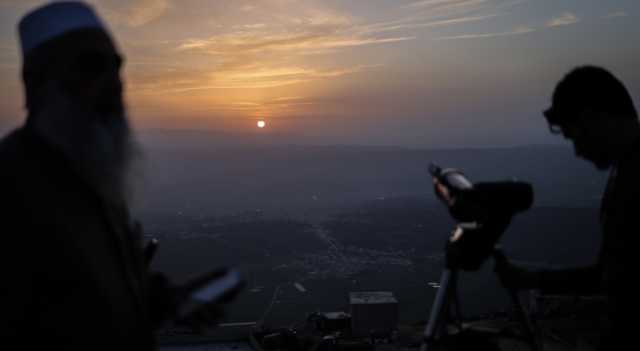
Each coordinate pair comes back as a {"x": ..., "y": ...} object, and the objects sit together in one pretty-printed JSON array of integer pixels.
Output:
[{"x": 99, "y": 147}]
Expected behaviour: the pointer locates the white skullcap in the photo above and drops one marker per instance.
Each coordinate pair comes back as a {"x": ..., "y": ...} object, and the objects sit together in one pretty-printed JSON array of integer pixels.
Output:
[{"x": 52, "y": 20}]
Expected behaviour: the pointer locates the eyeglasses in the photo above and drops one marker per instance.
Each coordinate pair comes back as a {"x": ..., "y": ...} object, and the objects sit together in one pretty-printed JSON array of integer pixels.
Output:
[
  {"x": 568, "y": 130},
  {"x": 555, "y": 129},
  {"x": 551, "y": 117}
]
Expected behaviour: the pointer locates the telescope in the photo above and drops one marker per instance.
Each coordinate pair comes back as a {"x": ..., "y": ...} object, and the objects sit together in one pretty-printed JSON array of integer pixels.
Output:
[{"x": 483, "y": 212}]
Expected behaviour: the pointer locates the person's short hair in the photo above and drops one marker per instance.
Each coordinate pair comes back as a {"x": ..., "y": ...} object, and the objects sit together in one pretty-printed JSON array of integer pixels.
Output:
[{"x": 589, "y": 87}]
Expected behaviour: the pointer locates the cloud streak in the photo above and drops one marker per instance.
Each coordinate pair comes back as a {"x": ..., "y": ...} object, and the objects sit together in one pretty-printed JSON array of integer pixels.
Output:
[
  {"x": 183, "y": 81},
  {"x": 516, "y": 31},
  {"x": 439, "y": 23},
  {"x": 445, "y": 4},
  {"x": 134, "y": 13},
  {"x": 256, "y": 42},
  {"x": 616, "y": 14},
  {"x": 565, "y": 19},
  {"x": 281, "y": 103},
  {"x": 268, "y": 56},
  {"x": 433, "y": 10}
]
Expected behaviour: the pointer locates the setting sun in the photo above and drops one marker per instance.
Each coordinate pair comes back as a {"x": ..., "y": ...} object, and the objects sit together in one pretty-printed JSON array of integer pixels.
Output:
[{"x": 261, "y": 124}]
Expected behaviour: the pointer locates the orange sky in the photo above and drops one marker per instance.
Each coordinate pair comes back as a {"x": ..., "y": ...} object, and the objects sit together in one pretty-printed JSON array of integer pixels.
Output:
[{"x": 346, "y": 70}]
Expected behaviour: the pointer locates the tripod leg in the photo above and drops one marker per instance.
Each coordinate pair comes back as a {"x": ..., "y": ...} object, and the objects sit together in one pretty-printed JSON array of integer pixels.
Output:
[
  {"x": 440, "y": 309},
  {"x": 529, "y": 327}
]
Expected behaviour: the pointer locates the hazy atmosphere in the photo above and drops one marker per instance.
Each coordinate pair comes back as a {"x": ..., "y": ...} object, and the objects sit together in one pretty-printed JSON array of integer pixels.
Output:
[
  {"x": 442, "y": 73},
  {"x": 291, "y": 140}
]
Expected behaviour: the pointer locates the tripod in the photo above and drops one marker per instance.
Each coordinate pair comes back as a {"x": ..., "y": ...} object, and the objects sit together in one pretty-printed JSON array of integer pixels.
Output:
[{"x": 446, "y": 301}]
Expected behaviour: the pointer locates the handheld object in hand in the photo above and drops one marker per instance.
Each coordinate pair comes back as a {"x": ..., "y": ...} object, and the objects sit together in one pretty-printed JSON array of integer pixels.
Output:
[{"x": 210, "y": 292}]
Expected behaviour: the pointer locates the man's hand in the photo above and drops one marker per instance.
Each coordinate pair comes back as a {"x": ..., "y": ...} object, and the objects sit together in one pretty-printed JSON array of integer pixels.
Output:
[
  {"x": 513, "y": 276},
  {"x": 206, "y": 315}
]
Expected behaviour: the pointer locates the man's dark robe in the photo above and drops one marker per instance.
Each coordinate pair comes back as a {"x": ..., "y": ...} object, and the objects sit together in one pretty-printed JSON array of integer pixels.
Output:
[{"x": 72, "y": 270}]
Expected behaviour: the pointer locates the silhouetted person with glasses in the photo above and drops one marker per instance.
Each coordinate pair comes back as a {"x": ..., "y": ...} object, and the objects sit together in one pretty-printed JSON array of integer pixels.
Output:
[
  {"x": 592, "y": 109},
  {"x": 73, "y": 274}
]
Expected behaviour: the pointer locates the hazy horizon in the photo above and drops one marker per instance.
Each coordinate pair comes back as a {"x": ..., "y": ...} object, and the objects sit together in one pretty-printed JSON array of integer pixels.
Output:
[{"x": 207, "y": 138}]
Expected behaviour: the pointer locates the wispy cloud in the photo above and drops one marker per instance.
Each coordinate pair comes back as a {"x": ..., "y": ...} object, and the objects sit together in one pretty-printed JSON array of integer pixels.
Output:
[
  {"x": 255, "y": 42},
  {"x": 247, "y": 8},
  {"x": 563, "y": 20},
  {"x": 267, "y": 56},
  {"x": 135, "y": 13},
  {"x": 441, "y": 13},
  {"x": 516, "y": 31},
  {"x": 444, "y": 4},
  {"x": 257, "y": 77},
  {"x": 616, "y": 14},
  {"x": 274, "y": 49},
  {"x": 284, "y": 102},
  {"x": 385, "y": 27},
  {"x": 441, "y": 5},
  {"x": 444, "y": 9},
  {"x": 254, "y": 26},
  {"x": 512, "y": 3}
]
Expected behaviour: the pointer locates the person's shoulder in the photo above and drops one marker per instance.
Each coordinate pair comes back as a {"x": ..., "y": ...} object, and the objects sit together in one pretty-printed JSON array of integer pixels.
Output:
[
  {"x": 12, "y": 149},
  {"x": 12, "y": 164},
  {"x": 9, "y": 144},
  {"x": 15, "y": 156}
]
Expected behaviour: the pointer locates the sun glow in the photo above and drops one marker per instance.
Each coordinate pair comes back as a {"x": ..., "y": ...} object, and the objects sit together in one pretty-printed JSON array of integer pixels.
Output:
[{"x": 261, "y": 124}]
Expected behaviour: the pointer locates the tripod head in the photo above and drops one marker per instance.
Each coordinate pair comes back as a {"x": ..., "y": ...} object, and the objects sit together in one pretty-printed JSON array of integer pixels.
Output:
[{"x": 483, "y": 212}]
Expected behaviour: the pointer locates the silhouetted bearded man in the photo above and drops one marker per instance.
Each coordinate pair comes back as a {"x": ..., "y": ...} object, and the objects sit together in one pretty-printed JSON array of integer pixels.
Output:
[
  {"x": 72, "y": 269},
  {"x": 593, "y": 109}
]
